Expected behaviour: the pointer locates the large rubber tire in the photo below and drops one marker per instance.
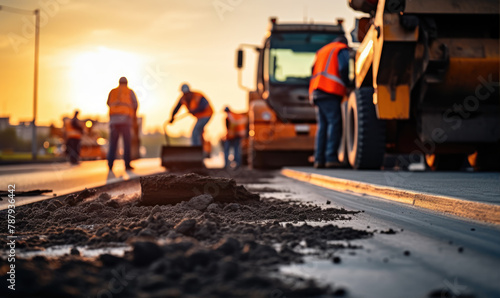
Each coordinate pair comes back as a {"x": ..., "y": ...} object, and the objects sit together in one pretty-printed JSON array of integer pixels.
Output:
[
  {"x": 445, "y": 162},
  {"x": 342, "y": 154},
  {"x": 365, "y": 132}
]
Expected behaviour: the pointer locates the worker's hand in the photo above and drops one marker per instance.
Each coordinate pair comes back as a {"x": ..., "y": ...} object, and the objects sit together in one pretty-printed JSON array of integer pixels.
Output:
[{"x": 171, "y": 120}]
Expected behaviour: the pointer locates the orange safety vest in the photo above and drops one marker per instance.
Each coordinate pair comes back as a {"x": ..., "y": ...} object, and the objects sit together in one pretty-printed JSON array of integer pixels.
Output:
[
  {"x": 120, "y": 102},
  {"x": 326, "y": 75},
  {"x": 71, "y": 132},
  {"x": 194, "y": 103},
  {"x": 237, "y": 125}
]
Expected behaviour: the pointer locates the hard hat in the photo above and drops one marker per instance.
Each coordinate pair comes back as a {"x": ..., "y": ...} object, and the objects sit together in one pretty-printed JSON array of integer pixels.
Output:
[
  {"x": 123, "y": 80},
  {"x": 185, "y": 88}
]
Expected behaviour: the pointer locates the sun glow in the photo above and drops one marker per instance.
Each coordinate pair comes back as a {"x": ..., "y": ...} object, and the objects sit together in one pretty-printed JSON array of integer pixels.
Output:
[{"x": 95, "y": 73}]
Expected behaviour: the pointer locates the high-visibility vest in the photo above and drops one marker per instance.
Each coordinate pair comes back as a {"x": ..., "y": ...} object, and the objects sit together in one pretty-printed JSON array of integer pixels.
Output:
[
  {"x": 325, "y": 76},
  {"x": 120, "y": 102},
  {"x": 71, "y": 132},
  {"x": 237, "y": 125},
  {"x": 193, "y": 104}
]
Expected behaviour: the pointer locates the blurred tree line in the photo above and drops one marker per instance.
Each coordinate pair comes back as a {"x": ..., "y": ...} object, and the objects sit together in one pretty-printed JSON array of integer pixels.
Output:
[{"x": 9, "y": 141}]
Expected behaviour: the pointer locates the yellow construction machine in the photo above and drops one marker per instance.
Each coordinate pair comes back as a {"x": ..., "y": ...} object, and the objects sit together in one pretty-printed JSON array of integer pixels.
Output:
[{"x": 426, "y": 84}]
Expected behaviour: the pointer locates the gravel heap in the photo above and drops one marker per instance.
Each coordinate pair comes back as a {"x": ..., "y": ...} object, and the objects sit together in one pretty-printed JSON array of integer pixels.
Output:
[{"x": 197, "y": 248}]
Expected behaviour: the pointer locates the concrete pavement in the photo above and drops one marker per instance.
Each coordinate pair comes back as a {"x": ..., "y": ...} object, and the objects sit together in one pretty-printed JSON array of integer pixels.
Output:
[{"x": 471, "y": 195}]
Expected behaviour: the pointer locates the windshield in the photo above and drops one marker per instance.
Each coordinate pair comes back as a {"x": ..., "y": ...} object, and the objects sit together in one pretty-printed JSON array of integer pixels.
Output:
[{"x": 291, "y": 56}]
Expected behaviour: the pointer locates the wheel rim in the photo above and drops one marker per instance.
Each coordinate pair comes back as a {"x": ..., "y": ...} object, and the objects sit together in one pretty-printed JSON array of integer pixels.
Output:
[
  {"x": 342, "y": 150},
  {"x": 352, "y": 130}
]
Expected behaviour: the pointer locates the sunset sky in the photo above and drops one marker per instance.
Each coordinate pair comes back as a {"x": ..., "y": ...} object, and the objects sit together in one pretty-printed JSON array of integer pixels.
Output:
[{"x": 85, "y": 46}]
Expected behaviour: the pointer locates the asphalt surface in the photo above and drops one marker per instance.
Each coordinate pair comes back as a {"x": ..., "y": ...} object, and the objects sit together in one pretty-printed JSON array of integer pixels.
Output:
[
  {"x": 428, "y": 251},
  {"x": 64, "y": 178},
  {"x": 445, "y": 253}
]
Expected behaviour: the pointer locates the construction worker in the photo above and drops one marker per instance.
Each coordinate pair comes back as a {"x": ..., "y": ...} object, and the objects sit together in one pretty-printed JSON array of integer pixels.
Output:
[
  {"x": 327, "y": 87},
  {"x": 198, "y": 105},
  {"x": 74, "y": 131},
  {"x": 122, "y": 104},
  {"x": 236, "y": 125}
]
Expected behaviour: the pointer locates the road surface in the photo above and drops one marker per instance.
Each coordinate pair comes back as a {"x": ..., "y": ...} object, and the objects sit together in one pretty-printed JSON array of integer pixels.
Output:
[
  {"x": 63, "y": 178},
  {"x": 446, "y": 253},
  {"x": 423, "y": 252}
]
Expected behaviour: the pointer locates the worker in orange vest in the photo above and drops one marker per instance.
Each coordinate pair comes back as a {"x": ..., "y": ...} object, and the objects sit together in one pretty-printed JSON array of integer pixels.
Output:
[
  {"x": 327, "y": 87},
  {"x": 198, "y": 105},
  {"x": 74, "y": 131},
  {"x": 236, "y": 125},
  {"x": 123, "y": 105}
]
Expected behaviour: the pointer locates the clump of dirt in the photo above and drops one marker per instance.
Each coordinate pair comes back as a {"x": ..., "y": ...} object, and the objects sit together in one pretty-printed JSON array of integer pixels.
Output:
[
  {"x": 74, "y": 199},
  {"x": 202, "y": 247},
  {"x": 171, "y": 189},
  {"x": 178, "y": 268}
]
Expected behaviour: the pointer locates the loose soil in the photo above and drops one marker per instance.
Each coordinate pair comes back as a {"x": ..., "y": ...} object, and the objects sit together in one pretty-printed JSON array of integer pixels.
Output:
[{"x": 200, "y": 245}]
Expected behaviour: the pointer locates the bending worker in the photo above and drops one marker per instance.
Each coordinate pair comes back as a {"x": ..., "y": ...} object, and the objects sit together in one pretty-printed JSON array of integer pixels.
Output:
[
  {"x": 122, "y": 104},
  {"x": 236, "y": 125},
  {"x": 326, "y": 89},
  {"x": 198, "y": 105}
]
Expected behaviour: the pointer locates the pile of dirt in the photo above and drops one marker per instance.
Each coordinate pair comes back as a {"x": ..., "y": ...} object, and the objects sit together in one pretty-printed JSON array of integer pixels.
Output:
[
  {"x": 203, "y": 247},
  {"x": 181, "y": 268},
  {"x": 171, "y": 189}
]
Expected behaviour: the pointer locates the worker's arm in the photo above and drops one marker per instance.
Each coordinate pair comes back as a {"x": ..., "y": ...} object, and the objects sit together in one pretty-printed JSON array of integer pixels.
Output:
[
  {"x": 109, "y": 96},
  {"x": 176, "y": 109},
  {"x": 343, "y": 58},
  {"x": 202, "y": 106},
  {"x": 135, "y": 104},
  {"x": 314, "y": 64}
]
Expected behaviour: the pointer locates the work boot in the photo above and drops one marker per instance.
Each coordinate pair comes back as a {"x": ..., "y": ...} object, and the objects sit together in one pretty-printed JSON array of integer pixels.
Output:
[
  {"x": 319, "y": 165},
  {"x": 333, "y": 164}
]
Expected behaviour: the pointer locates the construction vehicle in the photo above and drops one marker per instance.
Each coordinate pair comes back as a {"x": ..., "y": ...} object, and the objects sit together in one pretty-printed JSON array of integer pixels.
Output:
[
  {"x": 426, "y": 84},
  {"x": 282, "y": 122}
]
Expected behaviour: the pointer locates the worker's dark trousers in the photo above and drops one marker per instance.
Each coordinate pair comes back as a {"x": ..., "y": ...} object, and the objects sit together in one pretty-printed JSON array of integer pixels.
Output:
[
  {"x": 197, "y": 135},
  {"x": 73, "y": 150},
  {"x": 329, "y": 116},
  {"x": 236, "y": 145},
  {"x": 116, "y": 130}
]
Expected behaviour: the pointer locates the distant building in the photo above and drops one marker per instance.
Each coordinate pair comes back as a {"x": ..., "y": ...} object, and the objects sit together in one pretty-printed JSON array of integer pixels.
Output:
[
  {"x": 4, "y": 123},
  {"x": 24, "y": 131}
]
